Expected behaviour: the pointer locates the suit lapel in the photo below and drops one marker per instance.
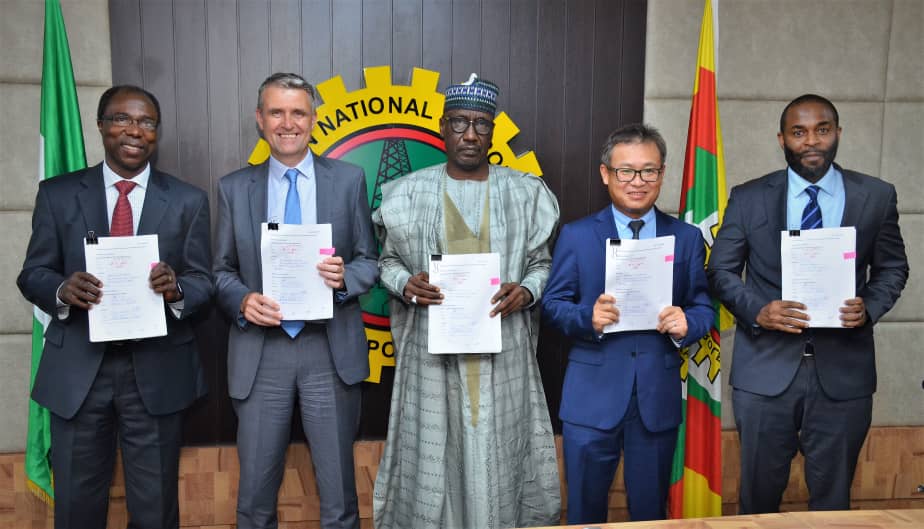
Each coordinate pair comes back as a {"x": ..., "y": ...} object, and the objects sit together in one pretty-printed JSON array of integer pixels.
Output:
[
  {"x": 775, "y": 208},
  {"x": 854, "y": 199},
  {"x": 324, "y": 189},
  {"x": 605, "y": 227},
  {"x": 155, "y": 204},
  {"x": 92, "y": 201},
  {"x": 256, "y": 190}
]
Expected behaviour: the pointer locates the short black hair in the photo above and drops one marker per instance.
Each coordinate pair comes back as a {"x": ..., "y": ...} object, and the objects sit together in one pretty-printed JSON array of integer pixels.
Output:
[
  {"x": 809, "y": 98},
  {"x": 107, "y": 96},
  {"x": 633, "y": 133}
]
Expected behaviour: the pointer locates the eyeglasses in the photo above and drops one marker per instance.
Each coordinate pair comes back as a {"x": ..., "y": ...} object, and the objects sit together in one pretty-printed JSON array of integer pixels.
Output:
[
  {"x": 626, "y": 174},
  {"x": 124, "y": 121},
  {"x": 459, "y": 125}
]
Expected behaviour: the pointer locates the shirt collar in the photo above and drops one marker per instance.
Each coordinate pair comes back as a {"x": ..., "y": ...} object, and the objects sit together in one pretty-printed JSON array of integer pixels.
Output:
[
  {"x": 306, "y": 167},
  {"x": 141, "y": 179},
  {"x": 828, "y": 182},
  {"x": 622, "y": 220}
]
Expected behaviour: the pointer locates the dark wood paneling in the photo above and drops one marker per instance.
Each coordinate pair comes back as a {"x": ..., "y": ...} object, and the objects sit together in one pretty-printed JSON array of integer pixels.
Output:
[
  {"x": 347, "y": 51},
  {"x": 316, "y": 39},
  {"x": 124, "y": 32},
  {"x": 437, "y": 39},
  {"x": 285, "y": 35},
  {"x": 569, "y": 72},
  {"x": 406, "y": 39},
  {"x": 466, "y": 35}
]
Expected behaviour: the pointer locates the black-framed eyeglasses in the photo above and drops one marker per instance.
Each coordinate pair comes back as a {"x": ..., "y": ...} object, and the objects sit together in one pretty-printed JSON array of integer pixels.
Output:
[
  {"x": 627, "y": 174},
  {"x": 459, "y": 125},
  {"x": 124, "y": 120}
]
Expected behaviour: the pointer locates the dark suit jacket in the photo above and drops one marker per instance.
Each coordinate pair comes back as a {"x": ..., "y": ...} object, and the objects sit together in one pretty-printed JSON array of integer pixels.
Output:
[
  {"x": 342, "y": 202},
  {"x": 601, "y": 372},
  {"x": 167, "y": 368},
  {"x": 765, "y": 362}
]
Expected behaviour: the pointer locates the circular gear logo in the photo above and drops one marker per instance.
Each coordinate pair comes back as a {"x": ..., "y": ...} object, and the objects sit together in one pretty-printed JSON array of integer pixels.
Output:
[{"x": 390, "y": 130}]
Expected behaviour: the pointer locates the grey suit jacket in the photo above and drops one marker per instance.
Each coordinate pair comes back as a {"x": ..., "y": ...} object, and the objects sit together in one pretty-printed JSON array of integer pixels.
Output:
[
  {"x": 342, "y": 202},
  {"x": 765, "y": 362},
  {"x": 167, "y": 368}
]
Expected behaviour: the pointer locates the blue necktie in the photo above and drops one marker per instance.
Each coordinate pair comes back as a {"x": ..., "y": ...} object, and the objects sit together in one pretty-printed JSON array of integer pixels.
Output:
[
  {"x": 811, "y": 215},
  {"x": 293, "y": 215}
]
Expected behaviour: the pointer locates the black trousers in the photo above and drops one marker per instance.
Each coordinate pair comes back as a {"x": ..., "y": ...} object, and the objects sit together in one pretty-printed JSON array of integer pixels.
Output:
[
  {"x": 828, "y": 432},
  {"x": 83, "y": 453}
]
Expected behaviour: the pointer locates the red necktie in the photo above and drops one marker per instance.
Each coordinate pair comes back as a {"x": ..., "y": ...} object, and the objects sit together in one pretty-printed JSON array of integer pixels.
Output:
[{"x": 122, "y": 214}]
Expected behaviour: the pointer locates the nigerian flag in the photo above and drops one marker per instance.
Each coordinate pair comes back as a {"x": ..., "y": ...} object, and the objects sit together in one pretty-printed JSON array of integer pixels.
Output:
[
  {"x": 60, "y": 151},
  {"x": 696, "y": 478}
]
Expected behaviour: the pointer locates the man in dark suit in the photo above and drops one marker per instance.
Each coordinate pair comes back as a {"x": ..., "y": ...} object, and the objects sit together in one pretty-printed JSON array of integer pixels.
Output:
[
  {"x": 798, "y": 388},
  {"x": 271, "y": 362},
  {"x": 135, "y": 390},
  {"x": 622, "y": 391}
]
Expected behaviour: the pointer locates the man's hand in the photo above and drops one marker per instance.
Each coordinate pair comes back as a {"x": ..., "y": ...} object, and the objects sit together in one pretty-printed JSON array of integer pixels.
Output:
[
  {"x": 512, "y": 297},
  {"x": 785, "y": 316},
  {"x": 853, "y": 313},
  {"x": 261, "y": 310},
  {"x": 419, "y": 291},
  {"x": 673, "y": 321},
  {"x": 331, "y": 269},
  {"x": 163, "y": 281},
  {"x": 81, "y": 290},
  {"x": 605, "y": 313}
]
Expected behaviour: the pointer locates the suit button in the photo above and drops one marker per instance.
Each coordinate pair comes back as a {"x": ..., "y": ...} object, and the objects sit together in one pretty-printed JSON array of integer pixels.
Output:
[{"x": 633, "y": 354}]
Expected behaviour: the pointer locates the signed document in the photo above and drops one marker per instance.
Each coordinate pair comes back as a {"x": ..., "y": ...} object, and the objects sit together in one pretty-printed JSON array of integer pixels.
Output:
[
  {"x": 462, "y": 323},
  {"x": 819, "y": 270},
  {"x": 640, "y": 275},
  {"x": 129, "y": 308},
  {"x": 290, "y": 254}
]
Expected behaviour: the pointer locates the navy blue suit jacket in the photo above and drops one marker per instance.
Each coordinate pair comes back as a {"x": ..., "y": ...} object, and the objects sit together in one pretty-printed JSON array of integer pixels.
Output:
[
  {"x": 601, "y": 372},
  {"x": 765, "y": 362},
  {"x": 167, "y": 368}
]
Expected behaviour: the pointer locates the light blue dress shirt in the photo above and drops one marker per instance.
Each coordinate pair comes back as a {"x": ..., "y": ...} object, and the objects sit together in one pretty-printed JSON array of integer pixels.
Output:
[
  {"x": 648, "y": 231},
  {"x": 278, "y": 187},
  {"x": 831, "y": 198}
]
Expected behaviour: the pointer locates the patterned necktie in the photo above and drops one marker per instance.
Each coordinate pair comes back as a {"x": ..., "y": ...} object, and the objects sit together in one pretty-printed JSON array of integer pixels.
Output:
[
  {"x": 811, "y": 215},
  {"x": 122, "y": 224},
  {"x": 636, "y": 227},
  {"x": 293, "y": 215}
]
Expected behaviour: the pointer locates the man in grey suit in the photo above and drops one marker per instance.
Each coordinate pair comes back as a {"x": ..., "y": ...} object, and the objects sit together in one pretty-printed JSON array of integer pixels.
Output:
[
  {"x": 273, "y": 361},
  {"x": 797, "y": 387},
  {"x": 133, "y": 391}
]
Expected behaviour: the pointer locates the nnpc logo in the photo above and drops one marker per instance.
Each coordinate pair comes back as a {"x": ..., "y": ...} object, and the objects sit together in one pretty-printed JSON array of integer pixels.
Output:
[{"x": 390, "y": 130}]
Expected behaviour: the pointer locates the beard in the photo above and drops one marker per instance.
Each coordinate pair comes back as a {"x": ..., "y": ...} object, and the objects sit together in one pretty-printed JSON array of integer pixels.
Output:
[{"x": 812, "y": 174}]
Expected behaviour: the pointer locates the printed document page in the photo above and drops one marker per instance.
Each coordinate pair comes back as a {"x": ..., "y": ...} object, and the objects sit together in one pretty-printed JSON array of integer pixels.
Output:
[
  {"x": 819, "y": 270},
  {"x": 129, "y": 309},
  {"x": 462, "y": 323},
  {"x": 640, "y": 275},
  {"x": 290, "y": 254}
]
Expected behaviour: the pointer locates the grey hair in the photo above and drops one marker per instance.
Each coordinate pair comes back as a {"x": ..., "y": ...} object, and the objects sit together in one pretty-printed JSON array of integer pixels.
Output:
[
  {"x": 287, "y": 80},
  {"x": 633, "y": 133}
]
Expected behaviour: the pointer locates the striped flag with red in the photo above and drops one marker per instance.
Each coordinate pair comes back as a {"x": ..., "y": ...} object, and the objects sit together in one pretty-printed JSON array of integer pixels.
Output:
[{"x": 696, "y": 477}]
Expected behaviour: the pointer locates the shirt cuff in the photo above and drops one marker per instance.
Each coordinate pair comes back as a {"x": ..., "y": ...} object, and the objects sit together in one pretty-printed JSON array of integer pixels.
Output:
[{"x": 63, "y": 309}]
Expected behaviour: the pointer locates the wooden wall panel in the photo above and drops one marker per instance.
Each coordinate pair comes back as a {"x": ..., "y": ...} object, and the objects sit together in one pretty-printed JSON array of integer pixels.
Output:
[{"x": 569, "y": 71}]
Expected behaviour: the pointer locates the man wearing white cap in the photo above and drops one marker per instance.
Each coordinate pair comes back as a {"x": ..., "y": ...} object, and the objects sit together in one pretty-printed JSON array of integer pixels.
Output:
[{"x": 469, "y": 442}]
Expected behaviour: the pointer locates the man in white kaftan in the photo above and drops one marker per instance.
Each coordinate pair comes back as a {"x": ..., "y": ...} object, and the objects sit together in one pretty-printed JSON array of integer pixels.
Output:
[{"x": 470, "y": 443}]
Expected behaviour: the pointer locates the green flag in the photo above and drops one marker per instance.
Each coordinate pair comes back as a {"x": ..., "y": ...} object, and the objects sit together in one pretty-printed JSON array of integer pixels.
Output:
[{"x": 60, "y": 151}]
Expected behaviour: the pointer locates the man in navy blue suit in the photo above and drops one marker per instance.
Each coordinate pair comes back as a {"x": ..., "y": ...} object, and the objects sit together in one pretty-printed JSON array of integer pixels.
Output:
[{"x": 622, "y": 391}]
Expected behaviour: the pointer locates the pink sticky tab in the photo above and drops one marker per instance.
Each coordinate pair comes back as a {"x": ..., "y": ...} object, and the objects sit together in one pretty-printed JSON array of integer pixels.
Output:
[
  {"x": 153, "y": 265},
  {"x": 850, "y": 255},
  {"x": 669, "y": 258},
  {"x": 495, "y": 281},
  {"x": 327, "y": 251}
]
